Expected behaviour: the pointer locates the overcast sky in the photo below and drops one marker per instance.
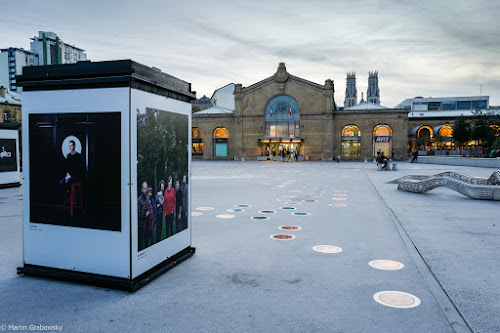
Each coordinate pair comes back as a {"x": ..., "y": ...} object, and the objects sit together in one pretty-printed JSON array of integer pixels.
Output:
[{"x": 420, "y": 48}]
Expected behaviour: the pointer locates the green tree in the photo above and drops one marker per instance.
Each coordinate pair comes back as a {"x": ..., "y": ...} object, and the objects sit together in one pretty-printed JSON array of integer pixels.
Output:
[
  {"x": 461, "y": 131},
  {"x": 481, "y": 130}
]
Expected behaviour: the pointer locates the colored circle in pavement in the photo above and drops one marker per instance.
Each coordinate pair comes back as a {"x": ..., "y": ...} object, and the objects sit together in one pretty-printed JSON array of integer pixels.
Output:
[
  {"x": 397, "y": 299},
  {"x": 327, "y": 249},
  {"x": 236, "y": 210},
  {"x": 267, "y": 212},
  {"x": 260, "y": 217},
  {"x": 310, "y": 200},
  {"x": 339, "y": 199},
  {"x": 282, "y": 236},
  {"x": 225, "y": 216},
  {"x": 243, "y": 205},
  {"x": 290, "y": 227},
  {"x": 386, "y": 265},
  {"x": 301, "y": 214},
  {"x": 288, "y": 208}
]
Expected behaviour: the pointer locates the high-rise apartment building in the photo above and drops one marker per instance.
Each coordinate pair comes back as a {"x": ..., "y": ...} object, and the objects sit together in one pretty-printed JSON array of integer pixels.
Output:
[
  {"x": 53, "y": 51},
  {"x": 12, "y": 61}
]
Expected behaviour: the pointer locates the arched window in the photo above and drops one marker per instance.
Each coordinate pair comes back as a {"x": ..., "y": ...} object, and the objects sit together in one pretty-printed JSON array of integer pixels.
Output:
[
  {"x": 351, "y": 141},
  {"x": 221, "y": 140},
  {"x": 282, "y": 118},
  {"x": 197, "y": 141},
  {"x": 382, "y": 140}
]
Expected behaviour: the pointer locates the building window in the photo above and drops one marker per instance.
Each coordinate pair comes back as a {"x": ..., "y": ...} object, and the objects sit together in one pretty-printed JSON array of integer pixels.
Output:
[
  {"x": 221, "y": 140},
  {"x": 197, "y": 141},
  {"x": 464, "y": 105},
  {"x": 6, "y": 116},
  {"x": 282, "y": 118},
  {"x": 351, "y": 141},
  {"x": 382, "y": 140}
]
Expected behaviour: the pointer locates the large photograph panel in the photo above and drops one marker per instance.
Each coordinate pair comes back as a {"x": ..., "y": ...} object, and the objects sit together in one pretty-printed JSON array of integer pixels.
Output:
[
  {"x": 8, "y": 155},
  {"x": 75, "y": 169},
  {"x": 162, "y": 175}
]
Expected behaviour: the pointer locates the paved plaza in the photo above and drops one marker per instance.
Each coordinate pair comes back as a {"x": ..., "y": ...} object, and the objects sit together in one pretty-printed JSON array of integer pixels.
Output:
[{"x": 440, "y": 250}]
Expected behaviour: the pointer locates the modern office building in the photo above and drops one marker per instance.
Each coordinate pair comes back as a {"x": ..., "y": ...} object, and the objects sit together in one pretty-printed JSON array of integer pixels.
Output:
[
  {"x": 52, "y": 50},
  {"x": 12, "y": 61}
]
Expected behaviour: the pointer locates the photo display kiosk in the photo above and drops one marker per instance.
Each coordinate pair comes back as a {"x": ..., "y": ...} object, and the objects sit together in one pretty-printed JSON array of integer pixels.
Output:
[
  {"x": 107, "y": 172},
  {"x": 10, "y": 175}
]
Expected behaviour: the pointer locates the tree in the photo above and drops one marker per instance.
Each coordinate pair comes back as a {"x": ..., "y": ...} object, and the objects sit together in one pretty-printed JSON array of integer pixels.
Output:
[
  {"x": 461, "y": 131},
  {"x": 481, "y": 130}
]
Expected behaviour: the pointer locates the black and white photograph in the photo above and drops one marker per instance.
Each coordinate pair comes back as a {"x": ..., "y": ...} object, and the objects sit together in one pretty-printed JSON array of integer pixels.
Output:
[{"x": 8, "y": 155}]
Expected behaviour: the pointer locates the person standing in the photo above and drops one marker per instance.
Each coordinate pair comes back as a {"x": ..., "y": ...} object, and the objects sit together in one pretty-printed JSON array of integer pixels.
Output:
[
  {"x": 185, "y": 202},
  {"x": 150, "y": 240},
  {"x": 169, "y": 207},
  {"x": 159, "y": 212},
  {"x": 143, "y": 215},
  {"x": 178, "y": 205}
]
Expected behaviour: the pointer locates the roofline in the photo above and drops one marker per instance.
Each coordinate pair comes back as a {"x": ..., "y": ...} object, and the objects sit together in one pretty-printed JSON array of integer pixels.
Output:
[{"x": 220, "y": 89}]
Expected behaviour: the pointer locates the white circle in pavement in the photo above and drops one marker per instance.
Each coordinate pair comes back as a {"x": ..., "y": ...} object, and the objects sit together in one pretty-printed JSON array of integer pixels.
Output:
[
  {"x": 397, "y": 299},
  {"x": 386, "y": 265},
  {"x": 340, "y": 195},
  {"x": 337, "y": 205},
  {"x": 283, "y": 199},
  {"x": 293, "y": 203},
  {"x": 327, "y": 249},
  {"x": 225, "y": 216},
  {"x": 288, "y": 196},
  {"x": 310, "y": 200},
  {"x": 196, "y": 214},
  {"x": 205, "y": 208},
  {"x": 341, "y": 191}
]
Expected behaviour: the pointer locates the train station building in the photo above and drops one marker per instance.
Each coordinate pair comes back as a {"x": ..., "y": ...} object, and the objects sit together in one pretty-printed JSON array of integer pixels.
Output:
[{"x": 286, "y": 112}]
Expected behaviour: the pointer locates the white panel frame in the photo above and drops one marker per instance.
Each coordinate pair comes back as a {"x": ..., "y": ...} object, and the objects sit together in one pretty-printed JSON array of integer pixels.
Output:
[
  {"x": 79, "y": 249},
  {"x": 12, "y": 176},
  {"x": 155, "y": 254}
]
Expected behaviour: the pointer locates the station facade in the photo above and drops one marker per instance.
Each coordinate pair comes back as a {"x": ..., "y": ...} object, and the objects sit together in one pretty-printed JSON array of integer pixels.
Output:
[{"x": 286, "y": 112}]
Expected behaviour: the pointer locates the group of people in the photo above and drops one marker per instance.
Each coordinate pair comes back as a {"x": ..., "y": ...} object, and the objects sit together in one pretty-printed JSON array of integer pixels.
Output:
[
  {"x": 170, "y": 206},
  {"x": 287, "y": 155}
]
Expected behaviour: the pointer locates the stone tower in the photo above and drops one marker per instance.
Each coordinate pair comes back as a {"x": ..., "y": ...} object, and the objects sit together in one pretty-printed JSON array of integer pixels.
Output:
[
  {"x": 373, "y": 93},
  {"x": 351, "y": 94}
]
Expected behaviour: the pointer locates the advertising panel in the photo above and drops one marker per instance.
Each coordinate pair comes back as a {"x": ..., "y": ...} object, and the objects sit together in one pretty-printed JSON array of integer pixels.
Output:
[
  {"x": 162, "y": 175},
  {"x": 75, "y": 169},
  {"x": 8, "y": 155},
  {"x": 160, "y": 168}
]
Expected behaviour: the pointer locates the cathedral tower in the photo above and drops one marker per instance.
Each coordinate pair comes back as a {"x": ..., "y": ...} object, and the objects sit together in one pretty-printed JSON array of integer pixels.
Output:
[
  {"x": 373, "y": 93},
  {"x": 351, "y": 94}
]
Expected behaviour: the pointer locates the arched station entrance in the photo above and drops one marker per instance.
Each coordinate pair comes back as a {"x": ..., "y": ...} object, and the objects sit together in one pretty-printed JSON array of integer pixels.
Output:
[
  {"x": 351, "y": 141},
  {"x": 221, "y": 140},
  {"x": 382, "y": 140}
]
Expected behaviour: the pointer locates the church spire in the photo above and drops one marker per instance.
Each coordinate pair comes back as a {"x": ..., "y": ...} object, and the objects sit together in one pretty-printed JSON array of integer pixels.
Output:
[
  {"x": 351, "y": 94},
  {"x": 373, "y": 93}
]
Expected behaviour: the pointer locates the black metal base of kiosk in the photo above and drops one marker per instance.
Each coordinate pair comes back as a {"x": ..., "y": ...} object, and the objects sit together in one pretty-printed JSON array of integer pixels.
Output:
[
  {"x": 107, "y": 281},
  {"x": 10, "y": 185}
]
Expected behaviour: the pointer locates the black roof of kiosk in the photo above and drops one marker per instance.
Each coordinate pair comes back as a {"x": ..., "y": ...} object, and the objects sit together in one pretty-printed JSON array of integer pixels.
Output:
[{"x": 105, "y": 74}]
